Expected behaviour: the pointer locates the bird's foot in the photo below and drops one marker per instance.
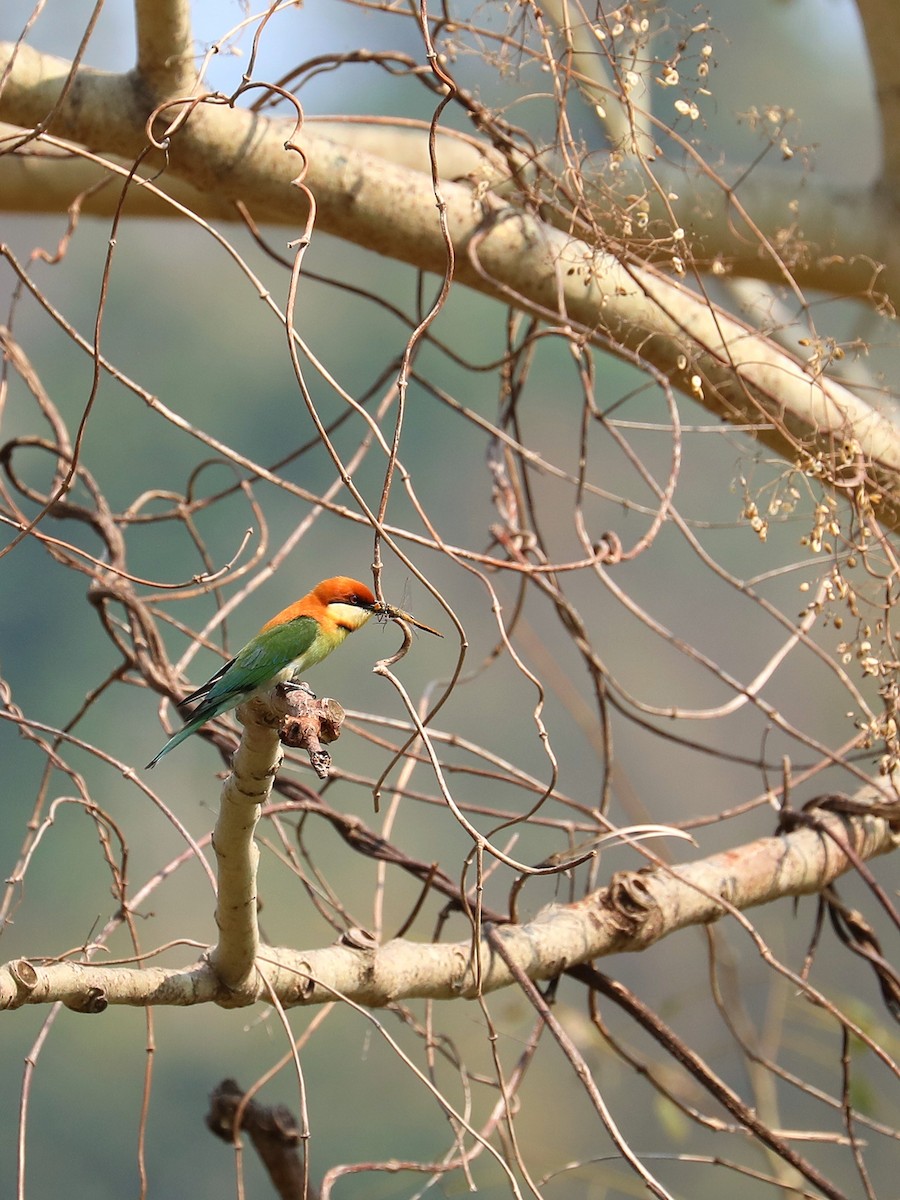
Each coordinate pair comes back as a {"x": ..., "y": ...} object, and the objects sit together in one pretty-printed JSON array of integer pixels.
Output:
[{"x": 299, "y": 687}]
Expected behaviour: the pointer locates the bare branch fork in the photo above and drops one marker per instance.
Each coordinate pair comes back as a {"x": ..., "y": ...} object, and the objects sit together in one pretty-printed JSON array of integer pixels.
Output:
[
  {"x": 234, "y": 958},
  {"x": 636, "y": 910}
]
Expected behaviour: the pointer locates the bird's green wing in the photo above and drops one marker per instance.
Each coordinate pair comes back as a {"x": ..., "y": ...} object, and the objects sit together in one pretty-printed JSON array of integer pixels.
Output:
[
  {"x": 260, "y": 660},
  {"x": 263, "y": 658}
]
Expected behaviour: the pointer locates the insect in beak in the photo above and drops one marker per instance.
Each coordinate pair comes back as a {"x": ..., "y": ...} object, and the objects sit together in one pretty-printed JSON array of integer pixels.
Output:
[{"x": 393, "y": 613}]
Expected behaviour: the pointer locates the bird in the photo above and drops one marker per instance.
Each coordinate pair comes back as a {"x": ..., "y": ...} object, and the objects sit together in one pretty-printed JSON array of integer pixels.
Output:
[{"x": 295, "y": 639}]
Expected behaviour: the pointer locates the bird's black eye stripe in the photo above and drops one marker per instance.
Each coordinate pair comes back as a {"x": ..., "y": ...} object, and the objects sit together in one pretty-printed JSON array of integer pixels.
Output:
[{"x": 354, "y": 599}]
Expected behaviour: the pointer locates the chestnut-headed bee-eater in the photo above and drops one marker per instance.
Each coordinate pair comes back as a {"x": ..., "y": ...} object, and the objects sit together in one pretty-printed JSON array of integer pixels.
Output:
[{"x": 293, "y": 641}]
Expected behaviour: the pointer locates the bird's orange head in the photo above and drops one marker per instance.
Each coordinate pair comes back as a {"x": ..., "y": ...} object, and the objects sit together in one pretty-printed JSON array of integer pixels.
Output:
[
  {"x": 343, "y": 590},
  {"x": 336, "y": 604},
  {"x": 344, "y": 604}
]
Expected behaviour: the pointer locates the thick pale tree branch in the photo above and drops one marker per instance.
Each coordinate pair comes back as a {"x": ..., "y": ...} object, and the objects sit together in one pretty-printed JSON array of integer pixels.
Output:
[
  {"x": 47, "y": 176},
  {"x": 635, "y": 911},
  {"x": 582, "y": 55},
  {"x": 845, "y": 238},
  {"x": 237, "y": 155},
  {"x": 165, "y": 48},
  {"x": 247, "y": 788}
]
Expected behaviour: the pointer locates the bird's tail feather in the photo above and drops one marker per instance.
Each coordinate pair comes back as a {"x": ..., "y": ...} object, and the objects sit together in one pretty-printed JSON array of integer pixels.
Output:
[{"x": 175, "y": 740}]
